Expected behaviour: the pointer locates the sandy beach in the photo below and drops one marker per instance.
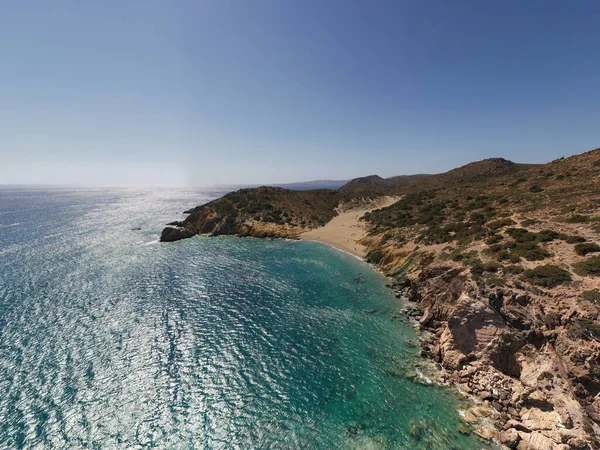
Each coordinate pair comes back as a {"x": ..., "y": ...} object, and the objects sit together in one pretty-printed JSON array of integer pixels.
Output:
[{"x": 345, "y": 230}]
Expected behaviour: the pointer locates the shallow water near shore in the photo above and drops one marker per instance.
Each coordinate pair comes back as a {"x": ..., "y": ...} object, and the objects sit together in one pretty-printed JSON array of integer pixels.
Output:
[{"x": 109, "y": 340}]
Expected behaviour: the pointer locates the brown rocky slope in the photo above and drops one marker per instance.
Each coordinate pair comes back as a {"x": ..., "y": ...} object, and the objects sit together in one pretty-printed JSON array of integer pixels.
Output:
[{"x": 500, "y": 270}]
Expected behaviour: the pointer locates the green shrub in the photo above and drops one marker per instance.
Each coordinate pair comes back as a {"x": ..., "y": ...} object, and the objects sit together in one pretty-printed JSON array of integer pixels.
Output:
[
  {"x": 531, "y": 251},
  {"x": 577, "y": 218},
  {"x": 386, "y": 237},
  {"x": 592, "y": 295},
  {"x": 496, "y": 281},
  {"x": 501, "y": 223},
  {"x": 514, "y": 270},
  {"x": 471, "y": 258},
  {"x": 477, "y": 217},
  {"x": 560, "y": 177},
  {"x": 534, "y": 254},
  {"x": 535, "y": 188},
  {"x": 494, "y": 239},
  {"x": 374, "y": 256},
  {"x": 514, "y": 258},
  {"x": 223, "y": 208},
  {"x": 547, "y": 276},
  {"x": 573, "y": 239},
  {"x": 584, "y": 328},
  {"x": 584, "y": 249},
  {"x": 547, "y": 236},
  {"x": 521, "y": 235},
  {"x": 529, "y": 222},
  {"x": 492, "y": 266},
  {"x": 590, "y": 266},
  {"x": 477, "y": 270}
]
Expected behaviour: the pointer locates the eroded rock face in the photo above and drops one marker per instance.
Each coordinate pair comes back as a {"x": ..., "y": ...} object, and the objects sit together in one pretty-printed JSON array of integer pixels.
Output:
[
  {"x": 509, "y": 437},
  {"x": 503, "y": 349},
  {"x": 171, "y": 234}
]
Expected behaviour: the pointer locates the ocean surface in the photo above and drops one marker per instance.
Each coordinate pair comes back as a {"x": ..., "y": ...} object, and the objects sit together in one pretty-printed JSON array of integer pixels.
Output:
[{"x": 110, "y": 340}]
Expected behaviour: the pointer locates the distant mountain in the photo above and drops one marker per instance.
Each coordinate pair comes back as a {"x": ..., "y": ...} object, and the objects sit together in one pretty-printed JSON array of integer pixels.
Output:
[
  {"x": 370, "y": 181},
  {"x": 376, "y": 183},
  {"x": 404, "y": 179},
  {"x": 315, "y": 184},
  {"x": 471, "y": 173}
]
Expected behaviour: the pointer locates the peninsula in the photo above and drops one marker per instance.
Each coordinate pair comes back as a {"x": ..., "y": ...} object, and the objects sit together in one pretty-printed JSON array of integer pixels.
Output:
[{"x": 499, "y": 263}]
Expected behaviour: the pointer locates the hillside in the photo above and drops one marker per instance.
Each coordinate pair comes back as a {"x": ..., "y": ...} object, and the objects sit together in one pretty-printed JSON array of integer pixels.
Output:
[
  {"x": 500, "y": 263},
  {"x": 267, "y": 212},
  {"x": 502, "y": 267},
  {"x": 369, "y": 182},
  {"x": 260, "y": 212},
  {"x": 473, "y": 173}
]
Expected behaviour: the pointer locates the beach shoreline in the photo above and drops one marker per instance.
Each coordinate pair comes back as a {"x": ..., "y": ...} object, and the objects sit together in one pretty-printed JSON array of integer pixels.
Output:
[{"x": 346, "y": 230}]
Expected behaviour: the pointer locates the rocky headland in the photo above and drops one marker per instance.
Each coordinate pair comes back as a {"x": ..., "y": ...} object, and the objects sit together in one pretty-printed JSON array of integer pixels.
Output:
[{"x": 500, "y": 266}]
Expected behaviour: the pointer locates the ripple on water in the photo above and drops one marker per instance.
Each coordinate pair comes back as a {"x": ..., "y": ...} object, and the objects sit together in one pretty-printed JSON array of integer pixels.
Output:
[{"x": 207, "y": 343}]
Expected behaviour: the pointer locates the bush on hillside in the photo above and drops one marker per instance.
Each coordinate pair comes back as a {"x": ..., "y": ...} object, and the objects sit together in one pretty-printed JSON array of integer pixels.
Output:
[
  {"x": 583, "y": 328},
  {"x": 547, "y": 236},
  {"x": 590, "y": 266},
  {"x": 592, "y": 295},
  {"x": 573, "y": 239},
  {"x": 548, "y": 276},
  {"x": 513, "y": 269},
  {"x": 577, "y": 218},
  {"x": 494, "y": 239},
  {"x": 584, "y": 249},
  {"x": 529, "y": 222},
  {"x": 500, "y": 223}
]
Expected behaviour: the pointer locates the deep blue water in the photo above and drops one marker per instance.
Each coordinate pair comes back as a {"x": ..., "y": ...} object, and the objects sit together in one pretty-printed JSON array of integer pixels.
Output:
[{"x": 109, "y": 340}]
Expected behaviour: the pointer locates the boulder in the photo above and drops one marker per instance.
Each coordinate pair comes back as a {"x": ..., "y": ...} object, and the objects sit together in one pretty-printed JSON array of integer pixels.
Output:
[
  {"x": 171, "y": 234},
  {"x": 509, "y": 437}
]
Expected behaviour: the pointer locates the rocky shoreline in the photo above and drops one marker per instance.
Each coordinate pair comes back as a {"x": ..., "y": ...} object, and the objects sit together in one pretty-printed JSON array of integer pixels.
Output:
[
  {"x": 482, "y": 416},
  {"x": 518, "y": 386},
  {"x": 483, "y": 345}
]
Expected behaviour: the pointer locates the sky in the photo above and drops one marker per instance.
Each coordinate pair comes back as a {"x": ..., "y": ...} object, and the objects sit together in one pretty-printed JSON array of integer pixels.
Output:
[{"x": 211, "y": 92}]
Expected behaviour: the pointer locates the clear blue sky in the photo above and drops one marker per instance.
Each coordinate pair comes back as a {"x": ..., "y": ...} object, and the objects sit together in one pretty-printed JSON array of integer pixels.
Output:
[{"x": 218, "y": 91}]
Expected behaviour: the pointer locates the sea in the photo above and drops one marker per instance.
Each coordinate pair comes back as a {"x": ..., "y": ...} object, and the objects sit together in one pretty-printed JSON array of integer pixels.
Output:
[{"x": 112, "y": 340}]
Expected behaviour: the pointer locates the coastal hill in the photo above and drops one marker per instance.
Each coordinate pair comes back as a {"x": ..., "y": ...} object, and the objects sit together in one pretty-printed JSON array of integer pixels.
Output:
[
  {"x": 370, "y": 181},
  {"x": 278, "y": 212},
  {"x": 500, "y": 263},
  {"x": 383, "y": 185}
]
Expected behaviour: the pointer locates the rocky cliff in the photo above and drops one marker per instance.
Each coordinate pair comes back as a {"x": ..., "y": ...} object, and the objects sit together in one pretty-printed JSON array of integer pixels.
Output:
[
  {"x": 265, "y": 212},
  {"x": 502, "y": 271}
]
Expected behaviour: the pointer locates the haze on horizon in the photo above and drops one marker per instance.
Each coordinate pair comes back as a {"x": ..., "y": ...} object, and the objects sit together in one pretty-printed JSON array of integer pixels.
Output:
[{"x": 231, "y": 92}]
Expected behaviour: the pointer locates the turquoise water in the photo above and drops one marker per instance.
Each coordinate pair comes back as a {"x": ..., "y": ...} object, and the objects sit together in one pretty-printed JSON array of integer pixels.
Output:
[{"x": 109, "y": 340}]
